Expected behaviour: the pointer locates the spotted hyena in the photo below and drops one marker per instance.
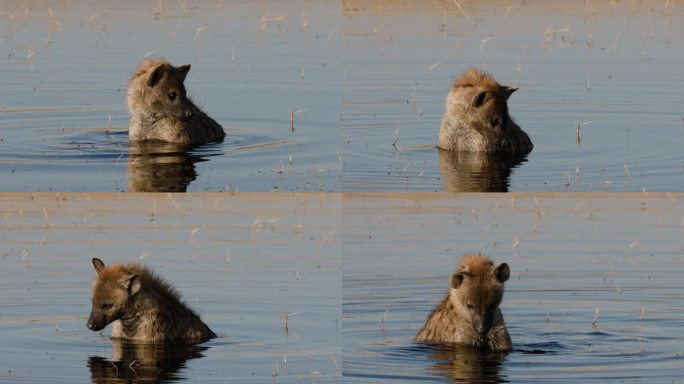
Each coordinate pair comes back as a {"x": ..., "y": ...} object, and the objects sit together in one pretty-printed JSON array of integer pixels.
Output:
[
  {"x": 141, "y": 306},
  {"x": 161, "y": 111},
  {"x": 477, "y": 119},
  {"x": 469, "y": 314}
]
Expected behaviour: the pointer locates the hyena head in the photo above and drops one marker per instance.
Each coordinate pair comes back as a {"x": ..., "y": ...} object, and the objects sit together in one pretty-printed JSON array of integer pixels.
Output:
[
  {"x": 477, "y": 289},
  {"x": 165, "y": 93},
  {"x": 482, "y": 100},
  {"x": 112, "y": 290}
]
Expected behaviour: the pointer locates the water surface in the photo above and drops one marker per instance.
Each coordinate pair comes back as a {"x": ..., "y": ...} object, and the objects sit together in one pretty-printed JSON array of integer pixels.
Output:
[
  {"x": 66, "y": 66},
  {"x": 242, "y": 262},
  {"x": 620, "y": 253},
  {"x": 357, "y": 77},
  {"x": 607, "y": 66}
]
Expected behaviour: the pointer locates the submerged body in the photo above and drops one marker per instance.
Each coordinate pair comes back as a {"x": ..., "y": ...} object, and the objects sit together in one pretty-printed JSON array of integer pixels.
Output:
[
  {"x": 477, "y": 119},
  {"x": 469, "y": 314},
  {"x": 161, "y": 111},
  {"x": 160, "y": 167},
  {"x": 468, "y": 171},
  {"x": 142, "y": 307}
]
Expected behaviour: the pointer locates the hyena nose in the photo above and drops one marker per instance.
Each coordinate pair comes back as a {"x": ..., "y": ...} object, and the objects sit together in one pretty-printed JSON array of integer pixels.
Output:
[
  {"x": 480, "y": 326},
  {"x": 93, "y": 324}
]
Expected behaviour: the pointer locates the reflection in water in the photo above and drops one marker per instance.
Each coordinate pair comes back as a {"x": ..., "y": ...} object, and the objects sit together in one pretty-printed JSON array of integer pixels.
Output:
[
  {"x": 143, "y": 363},
  {"x": 467, "y": 365},
  {"x": 477, "y": 171},
  {"x": 160, "y": 167}
]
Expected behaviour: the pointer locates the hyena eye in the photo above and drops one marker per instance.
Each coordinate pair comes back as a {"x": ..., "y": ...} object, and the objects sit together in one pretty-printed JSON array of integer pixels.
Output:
[
  {"x": 470, "y": 306},
  {"x": 107, "y": 306},
  {"x": 172, "y": 96}
]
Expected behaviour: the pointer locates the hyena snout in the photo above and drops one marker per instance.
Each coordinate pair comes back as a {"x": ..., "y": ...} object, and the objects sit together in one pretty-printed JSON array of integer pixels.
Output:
[
  {"x": 481, "y": 324},
  {"x": 498, "y": 117},
  {"x": 181, "y": 111},
  {"x": 96, "y": 321},
  {"x": 478, "y": 325},
  {"x": 482, "y": 328},
  {"x": 184, "y": 111}
]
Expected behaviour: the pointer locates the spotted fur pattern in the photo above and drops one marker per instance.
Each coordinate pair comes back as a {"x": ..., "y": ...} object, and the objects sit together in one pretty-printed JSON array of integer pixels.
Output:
[
  {"x": 469, "y": 314},
  {"x": 477, "y": 119},
  {"x": 141, "y": 306},
  {"x": 161, "y": 111}
]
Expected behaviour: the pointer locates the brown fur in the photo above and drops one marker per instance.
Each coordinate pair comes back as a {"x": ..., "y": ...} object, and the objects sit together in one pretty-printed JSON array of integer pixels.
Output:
[
  {"x": 161, "y": 111},
  {"x": 141, "y": 306},
  {"x": 469, "y": 314},
  {"x": 477, "y": 119}
]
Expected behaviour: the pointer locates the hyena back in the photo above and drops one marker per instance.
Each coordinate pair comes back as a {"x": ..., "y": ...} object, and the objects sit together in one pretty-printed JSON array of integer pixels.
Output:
[
  {"x": 161, "y": 110},
  {"x": 470, "y": 314},
  {"x": 141, "y": 306},
  {"x": 477, "y": 119}
]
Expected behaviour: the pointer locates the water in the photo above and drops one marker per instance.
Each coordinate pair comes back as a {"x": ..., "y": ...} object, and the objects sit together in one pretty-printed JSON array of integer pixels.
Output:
[
  {"x": 240, "y": 262},
  {"x": 608, "y": 66},
  {"x": 568, "y": 256},
  {"x": 63, "y": 118},
  {"x": 321, "y": 96},
  {"x": 358, "y": 76},
  {"x": 357, "y": 274}
]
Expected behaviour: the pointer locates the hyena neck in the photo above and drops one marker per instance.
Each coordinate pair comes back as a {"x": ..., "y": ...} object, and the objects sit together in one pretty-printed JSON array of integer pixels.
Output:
[
  {"x": 149, "y": 120},
  {"x": 130, "y": 324},
  {"x": 463, "y": 328},
  {"x": 152, "y": 309},
  {"x": 155, "y": 126},
  {"x": 141, "y": 125},
  {"x": 446, "y": 313},
  {"x": 442, "y": 324},
  {"x": 457, "y": 134},
  {"x": 448, "y": 307}
]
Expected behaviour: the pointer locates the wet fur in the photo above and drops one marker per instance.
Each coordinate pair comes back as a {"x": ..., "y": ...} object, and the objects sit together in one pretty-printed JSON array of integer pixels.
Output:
[
  {"x": 477, "y": 119},
  {"x": 478, "y": 282},
  {"x": 153, "y": 117},
  {"x": 144, "y": 307}
]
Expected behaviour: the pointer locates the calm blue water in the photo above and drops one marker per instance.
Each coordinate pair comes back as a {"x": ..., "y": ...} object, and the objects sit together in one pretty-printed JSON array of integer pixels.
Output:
[
  {"x": 66, "y": 68},
  {"x": 567, "y": 256},
  {"x": 578, "y": 62},
  {"x": 356, "y": 76},
  {"x": 357, "y": 272},
  {"x": 240, "y": 262}
]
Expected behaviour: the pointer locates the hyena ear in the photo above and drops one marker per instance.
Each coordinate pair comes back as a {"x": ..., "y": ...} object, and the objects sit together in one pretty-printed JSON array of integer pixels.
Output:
[
  {"x": 479, "y": 99},
  {"x": 508, "y": 91},
  {"x": 456, "y": 280},
  {"x": 131, "y": 283},
  {"x": 155, "y": 76},
  {"x": 183, "y": 71},
  {"x": 98, "y": 264},
  {"x": 502, "y": 273}
]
